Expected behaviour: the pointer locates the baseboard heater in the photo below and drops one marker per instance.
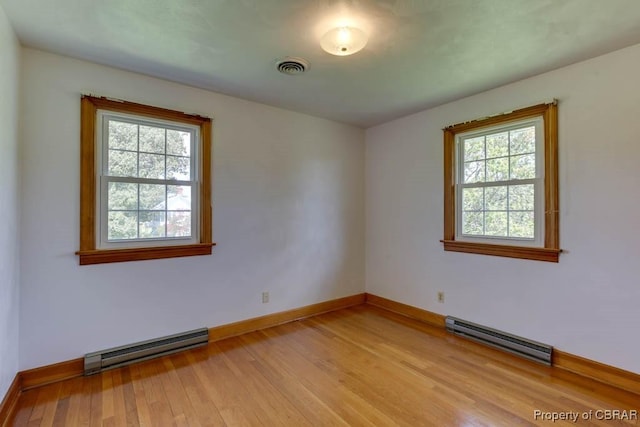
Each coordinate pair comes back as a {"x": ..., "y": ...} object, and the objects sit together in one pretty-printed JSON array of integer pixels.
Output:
[
  {"x": 523, "y": 347},
  {"x": 125, "y": 355}
]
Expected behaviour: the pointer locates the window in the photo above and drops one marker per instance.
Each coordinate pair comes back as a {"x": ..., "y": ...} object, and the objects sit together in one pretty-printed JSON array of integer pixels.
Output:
[
  {"x": 145, "y": 182},
  {"x": 501, "y": 185}
]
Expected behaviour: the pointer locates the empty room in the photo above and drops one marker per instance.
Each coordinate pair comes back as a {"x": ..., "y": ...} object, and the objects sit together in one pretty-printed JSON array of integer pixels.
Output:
[{"x": 319, "y": 212}]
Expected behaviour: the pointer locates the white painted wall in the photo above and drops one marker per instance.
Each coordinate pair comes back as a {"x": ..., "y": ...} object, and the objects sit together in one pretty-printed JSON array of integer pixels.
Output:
[
  {"x": 588, "y": 303},
  {"x": 288, "y": 194},
  {"x": 288, "y": 210},
  {"x": 9, "y": 204}
]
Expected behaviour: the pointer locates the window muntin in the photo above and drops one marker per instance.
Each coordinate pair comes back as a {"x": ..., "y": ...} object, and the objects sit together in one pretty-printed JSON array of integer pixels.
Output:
[
  {"x": 147, "y": 181},
  {"x": 500, "y": 184}
]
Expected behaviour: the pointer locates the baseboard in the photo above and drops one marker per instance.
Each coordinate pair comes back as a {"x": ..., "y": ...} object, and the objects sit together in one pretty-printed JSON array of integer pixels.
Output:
[
  {"x": 587, "y": 368},
  {"x": 244, "y": 326},
  {"x": 607, "y": 374},
  {"x": 568, "y": 362},
  {"x": 407, "y": 310},
  {"x": 8, "y": 404},
  {"x": 51, "y": 373},
  {"x": 37, "y": 377}
]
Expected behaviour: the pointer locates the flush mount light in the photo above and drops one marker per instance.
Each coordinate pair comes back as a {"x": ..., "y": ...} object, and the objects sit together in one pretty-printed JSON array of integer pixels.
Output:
[{"x": 343, "y": 41}]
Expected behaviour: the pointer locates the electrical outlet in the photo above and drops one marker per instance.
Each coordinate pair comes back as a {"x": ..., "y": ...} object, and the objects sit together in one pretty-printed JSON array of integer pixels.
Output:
[
  {"x": 265, "y": 297},
  {"x": 440, "y": 296}
]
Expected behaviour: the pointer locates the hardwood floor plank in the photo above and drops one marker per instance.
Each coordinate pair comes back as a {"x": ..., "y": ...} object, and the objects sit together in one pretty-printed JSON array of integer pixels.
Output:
[
  {"x": 346, "y": 402},
  {"x": 361, "y": 366},
  {"x": 45, "y": 409},
  {"x": 140, "y": 396},
  {"x": 361, "y": 374},
  {"x": 130, "y": 406},
  {"x": 108, "y": 404},
  {"x": 196, "y": 389},
  {"x": 231, "y": 398},
  {"x": 309, "y": 405},
  {"x": 95, "y": 405},
  {"x": 74, "y": 393},
  {"x": 275, "y": 409},
  {"x": 24, "y": 407},
  {"x": 181, "y": 406},
  {"x": 83, "y": 406},
  {"x": 60, "y": 415}
]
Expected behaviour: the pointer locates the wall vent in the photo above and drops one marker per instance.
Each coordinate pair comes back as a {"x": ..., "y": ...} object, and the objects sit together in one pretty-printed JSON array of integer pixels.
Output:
[
  {"x": 523, "y": 347},
  {"x": 125, "y": 355},
  {"x": 292, "y": 66}
]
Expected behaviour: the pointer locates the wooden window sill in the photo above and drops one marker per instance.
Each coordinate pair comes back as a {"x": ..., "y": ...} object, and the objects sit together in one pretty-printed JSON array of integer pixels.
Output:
[
  {"x": 522, "y": 252},
  {"x": 102, "y": 256}
]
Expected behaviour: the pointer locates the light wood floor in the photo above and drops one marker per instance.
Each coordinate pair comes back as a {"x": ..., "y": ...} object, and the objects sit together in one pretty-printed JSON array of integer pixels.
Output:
[{"x": 361, "y": 366}]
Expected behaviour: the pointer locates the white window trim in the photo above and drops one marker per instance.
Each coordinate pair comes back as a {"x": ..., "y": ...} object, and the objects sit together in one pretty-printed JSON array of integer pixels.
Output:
[
  {"x": 538, "y": 181},
  {"x": 102, "y": 180}
]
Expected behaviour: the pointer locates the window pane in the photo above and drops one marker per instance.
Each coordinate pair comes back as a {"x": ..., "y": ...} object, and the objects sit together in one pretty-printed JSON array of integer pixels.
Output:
[
  {"x": 179, "y": 168},
  {"x": 123, "y": 163},
  {"x": 472, "y": 223},
  {"x": 523, "y": 167},
  {"x": 496, "y": 223},
  {"x": 151, "y": 166},
  {"x": 178, "y": 143},
  {"x": 122, "y": 196},
  {"x": 521, "y": 197},
  {"x": 178, "y": 198},
  {"x": 152, "y": 197},
  {"x": 473, "y": 172},
  {"x": 152, "y": 224},
  {"x": 496, "y": 198},
  {"x": 498, "y": 145},
  {"x": 521, "y": 224},
  {"x": 178, "y": 224},
  {"x": 123, "y": 136},
  {"x": 498, "y": 169},
  {"x": 122, "y": 225},
  {"x": 472, "y": 199},
  {"x": 152, "y": 139},
  {"x": 523, "y": 140}
]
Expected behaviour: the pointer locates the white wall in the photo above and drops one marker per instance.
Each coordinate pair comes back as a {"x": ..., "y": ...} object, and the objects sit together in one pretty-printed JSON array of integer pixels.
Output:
[
  {"x": 588, "y": 303},
  {"x": 288, "y": 208},
  {"x": 9, "y": 204},
  {"x": 288, "y": 194}
]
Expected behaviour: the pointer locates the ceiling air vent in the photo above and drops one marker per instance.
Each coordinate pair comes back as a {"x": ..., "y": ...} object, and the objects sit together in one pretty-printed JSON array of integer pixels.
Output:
[{"x": 292, "y": 66}]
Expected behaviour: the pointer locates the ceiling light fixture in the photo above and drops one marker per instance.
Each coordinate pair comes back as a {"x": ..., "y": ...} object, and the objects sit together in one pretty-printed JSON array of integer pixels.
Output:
[{"x": 343, "y": 41}]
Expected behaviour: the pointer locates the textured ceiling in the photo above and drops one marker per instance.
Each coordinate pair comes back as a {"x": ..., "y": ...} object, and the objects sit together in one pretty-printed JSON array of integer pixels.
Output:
[{"x": 420, "y": 53}]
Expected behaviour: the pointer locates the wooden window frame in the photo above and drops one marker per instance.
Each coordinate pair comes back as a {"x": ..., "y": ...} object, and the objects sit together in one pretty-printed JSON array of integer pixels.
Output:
[
  {"x": 89, "y": 253},
  {"x": 550, "y": 251}
]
